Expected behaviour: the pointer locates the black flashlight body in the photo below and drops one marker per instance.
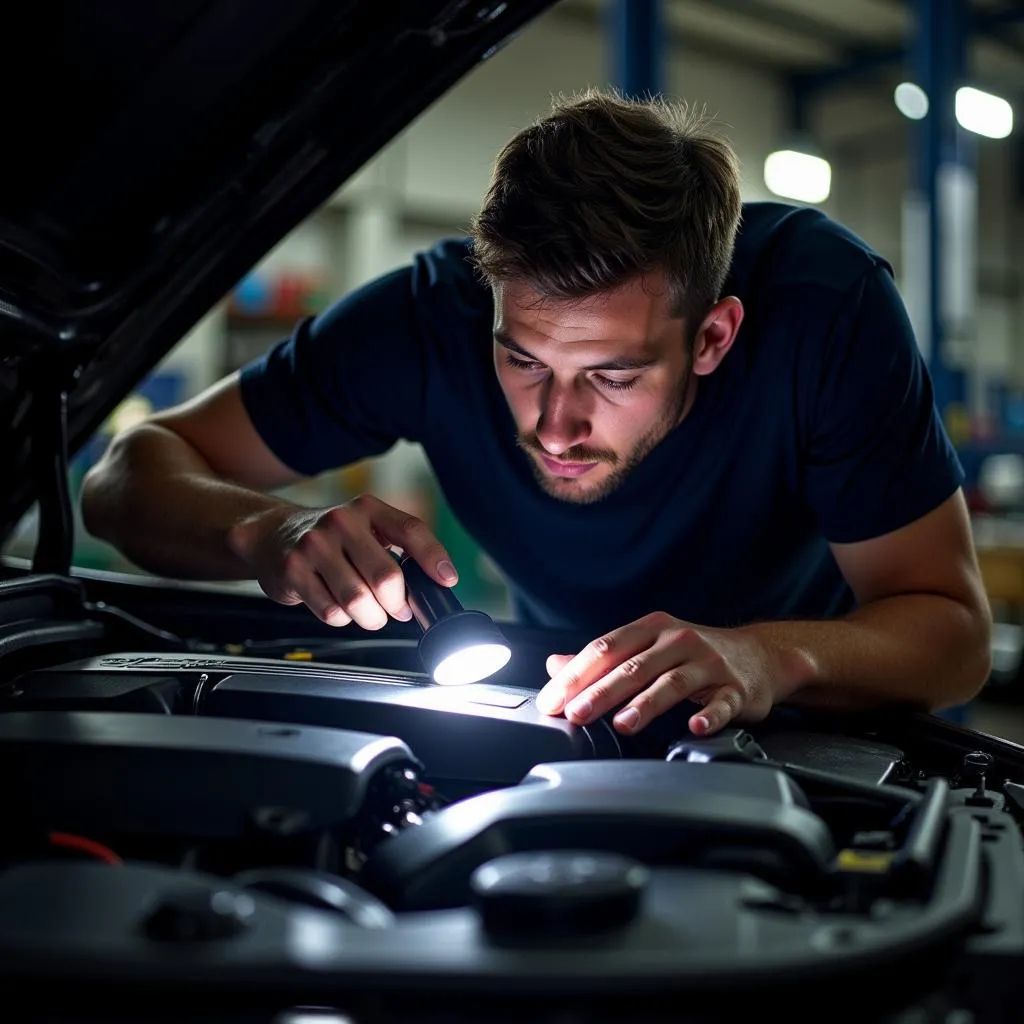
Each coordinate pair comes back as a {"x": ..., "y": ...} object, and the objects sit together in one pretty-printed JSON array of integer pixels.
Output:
[
  {"x": 429, "y": 600},
  {"x": 447, "y": 627}
]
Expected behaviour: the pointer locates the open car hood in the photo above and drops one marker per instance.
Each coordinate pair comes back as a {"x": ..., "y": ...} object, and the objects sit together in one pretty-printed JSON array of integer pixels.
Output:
[{"x": 161, "y": 151}]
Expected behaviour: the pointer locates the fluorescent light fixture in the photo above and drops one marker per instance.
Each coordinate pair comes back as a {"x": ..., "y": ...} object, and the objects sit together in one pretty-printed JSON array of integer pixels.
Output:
[
  {"x": 796, "y": 175},
  {"x": 983, "y": 113},
  {"x": 911, "y": 100}
]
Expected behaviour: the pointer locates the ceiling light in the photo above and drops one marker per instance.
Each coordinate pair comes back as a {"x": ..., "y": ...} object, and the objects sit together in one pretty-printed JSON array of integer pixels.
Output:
[
  {"x": 983, "y": 113},
  {"x": 911, "y": 100},
  {"x": 795, "y": 174}
]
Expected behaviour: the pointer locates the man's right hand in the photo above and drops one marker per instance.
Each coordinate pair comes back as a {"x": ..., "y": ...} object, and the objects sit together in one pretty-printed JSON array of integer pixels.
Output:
[{"x": 336, "y": 561}]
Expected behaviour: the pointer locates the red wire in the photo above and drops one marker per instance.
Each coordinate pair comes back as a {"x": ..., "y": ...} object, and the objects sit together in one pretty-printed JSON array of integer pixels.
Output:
[{"x": 89, "y": 846}]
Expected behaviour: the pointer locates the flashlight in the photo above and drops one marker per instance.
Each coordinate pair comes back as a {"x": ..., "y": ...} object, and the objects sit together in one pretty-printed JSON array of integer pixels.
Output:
[{"x": 457, "y": 646}]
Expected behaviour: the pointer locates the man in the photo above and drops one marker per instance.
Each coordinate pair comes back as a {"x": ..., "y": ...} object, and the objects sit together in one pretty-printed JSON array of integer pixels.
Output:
[{"x": 717, "y": 452}]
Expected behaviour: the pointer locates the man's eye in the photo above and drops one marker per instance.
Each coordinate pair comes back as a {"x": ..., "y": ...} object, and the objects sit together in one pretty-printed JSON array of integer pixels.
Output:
[
  {"x": 618, "y": 385},
  {"x": 521, "y": 364}
]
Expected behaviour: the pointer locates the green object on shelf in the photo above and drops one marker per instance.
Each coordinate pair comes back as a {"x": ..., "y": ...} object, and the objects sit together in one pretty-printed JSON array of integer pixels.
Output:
[{"x": 316, "y": 301}]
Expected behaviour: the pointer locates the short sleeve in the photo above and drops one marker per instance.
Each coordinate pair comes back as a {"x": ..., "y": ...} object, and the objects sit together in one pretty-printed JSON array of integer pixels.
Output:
[
  {"x": 878, "y": 456},
  {"x": 346, "y": 385}
]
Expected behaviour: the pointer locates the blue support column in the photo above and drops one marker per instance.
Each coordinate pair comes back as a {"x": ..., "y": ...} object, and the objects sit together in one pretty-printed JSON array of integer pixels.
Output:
[
  {"x": 943, "y": 163},
  {"x": 944, "y": 194},
  {"x": 637, "y": 44}
]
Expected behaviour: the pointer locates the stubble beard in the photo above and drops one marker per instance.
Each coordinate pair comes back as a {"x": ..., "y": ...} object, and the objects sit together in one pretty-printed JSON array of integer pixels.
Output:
[{"x": 577, "y": 491}]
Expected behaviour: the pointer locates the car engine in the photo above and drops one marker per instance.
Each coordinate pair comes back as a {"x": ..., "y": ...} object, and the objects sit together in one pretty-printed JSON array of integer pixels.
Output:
[{"x": 312, "y": 830}]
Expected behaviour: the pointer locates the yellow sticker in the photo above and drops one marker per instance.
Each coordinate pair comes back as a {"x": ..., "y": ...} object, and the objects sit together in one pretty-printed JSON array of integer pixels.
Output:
[
  {"x": 864, "y": 860},
  {"x": 299, "y": 656}
]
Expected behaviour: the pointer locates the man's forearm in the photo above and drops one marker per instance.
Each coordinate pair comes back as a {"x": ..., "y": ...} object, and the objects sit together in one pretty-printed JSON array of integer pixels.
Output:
[
  {"x": 154, "y": 498},
  {"x": 925, "y": 650}
]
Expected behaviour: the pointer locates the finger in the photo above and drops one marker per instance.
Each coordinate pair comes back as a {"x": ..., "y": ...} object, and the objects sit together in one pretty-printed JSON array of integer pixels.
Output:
[
  {"x": 350, "y": 592},
  {"x": 678, "y": 683},
  {"x": 627, "y": 680},
  {"x": 356, "y": 598},
  {"x": 721, "y": 709},
  {"x": 556, "y": 662},
  {"x": 313, "y": 592},
  {"x": 415, "y": 538},
  {"x": 597, "y": 658},
  {"x": 382, "y": 573},
  {"x": 360, "y": 573}
]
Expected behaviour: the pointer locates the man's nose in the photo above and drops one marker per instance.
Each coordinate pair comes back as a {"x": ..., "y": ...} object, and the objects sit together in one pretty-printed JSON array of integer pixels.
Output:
[{"x": 564, "y": 418}]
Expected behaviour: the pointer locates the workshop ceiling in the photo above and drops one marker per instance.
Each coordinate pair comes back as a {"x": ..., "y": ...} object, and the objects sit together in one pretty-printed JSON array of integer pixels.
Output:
[{"x": 809, "y": 36}]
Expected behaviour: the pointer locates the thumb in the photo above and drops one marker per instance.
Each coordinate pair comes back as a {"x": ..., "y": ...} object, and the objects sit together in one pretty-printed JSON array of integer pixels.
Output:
[{"x": 556, "y": 662}]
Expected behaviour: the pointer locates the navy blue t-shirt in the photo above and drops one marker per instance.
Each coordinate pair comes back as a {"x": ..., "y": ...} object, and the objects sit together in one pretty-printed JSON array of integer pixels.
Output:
[{"x": 819, "y": 425}]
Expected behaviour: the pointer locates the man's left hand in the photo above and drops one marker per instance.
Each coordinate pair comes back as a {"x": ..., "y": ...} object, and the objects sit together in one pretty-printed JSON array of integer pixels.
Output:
[{"x": 659, "y": 661}]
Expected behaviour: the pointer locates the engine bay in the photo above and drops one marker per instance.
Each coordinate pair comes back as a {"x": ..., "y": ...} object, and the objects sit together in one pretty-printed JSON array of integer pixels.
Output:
[{"x": 282, "y": 825}]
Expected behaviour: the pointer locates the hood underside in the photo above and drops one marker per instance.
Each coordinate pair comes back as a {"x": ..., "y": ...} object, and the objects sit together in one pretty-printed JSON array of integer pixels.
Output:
[{"x": 157, "y": 151}]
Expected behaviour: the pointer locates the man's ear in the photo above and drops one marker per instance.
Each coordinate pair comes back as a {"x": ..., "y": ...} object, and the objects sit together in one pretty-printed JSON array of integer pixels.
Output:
[{"x": 716, "y": 334}]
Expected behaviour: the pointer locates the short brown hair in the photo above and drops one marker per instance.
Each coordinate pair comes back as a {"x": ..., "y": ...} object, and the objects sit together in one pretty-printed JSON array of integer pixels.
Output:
[{"x": 604, "y": 188}]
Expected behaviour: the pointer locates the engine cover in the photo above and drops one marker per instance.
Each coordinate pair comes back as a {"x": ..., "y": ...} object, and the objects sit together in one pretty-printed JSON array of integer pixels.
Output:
[
  {"x": 726, "y": 816},
  {"x": 182, "y": 777},
  {"x": 467, "y": 737},
  {"x": 478, "y": 734}
]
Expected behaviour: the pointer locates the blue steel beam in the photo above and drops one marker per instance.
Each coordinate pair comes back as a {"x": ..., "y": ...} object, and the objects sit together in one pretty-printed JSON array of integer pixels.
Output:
[
  {"x": 938, "y": 58},
  {"x": 637, "y": 41}
]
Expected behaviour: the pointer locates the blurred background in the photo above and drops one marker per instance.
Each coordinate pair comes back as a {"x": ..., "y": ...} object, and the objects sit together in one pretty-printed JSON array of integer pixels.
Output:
[{"x": 896, "y": 117}]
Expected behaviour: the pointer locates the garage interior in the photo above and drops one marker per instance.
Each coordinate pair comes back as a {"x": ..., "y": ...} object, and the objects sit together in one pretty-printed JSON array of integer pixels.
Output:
[{"x": 896, "y": 117}]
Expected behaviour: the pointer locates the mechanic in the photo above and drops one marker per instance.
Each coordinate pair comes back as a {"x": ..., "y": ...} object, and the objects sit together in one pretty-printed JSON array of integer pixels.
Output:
[{"x": 697, "y": 429}]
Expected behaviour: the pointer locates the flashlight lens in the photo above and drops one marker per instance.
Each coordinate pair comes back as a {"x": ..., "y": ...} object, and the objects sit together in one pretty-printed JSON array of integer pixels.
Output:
[{"x": 472, "y": 663}]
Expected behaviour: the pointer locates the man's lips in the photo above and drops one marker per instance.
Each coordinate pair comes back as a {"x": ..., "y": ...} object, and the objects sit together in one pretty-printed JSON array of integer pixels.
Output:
[{"x": 566, "y": 468}]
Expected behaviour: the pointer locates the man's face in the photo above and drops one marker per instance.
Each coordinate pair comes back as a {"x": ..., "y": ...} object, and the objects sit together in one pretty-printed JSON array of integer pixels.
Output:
[{"x": 593, "y": 384}]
